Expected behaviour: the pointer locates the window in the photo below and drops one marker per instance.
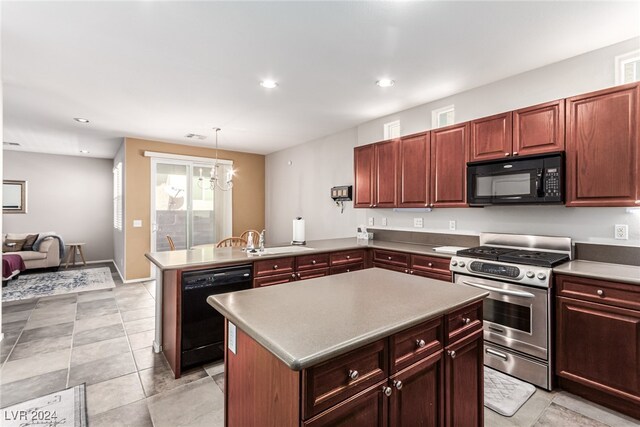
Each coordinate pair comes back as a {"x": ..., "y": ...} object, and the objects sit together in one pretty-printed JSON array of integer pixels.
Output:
[
  {"x": 628, "y": 67},
  {"x": 117, "y": 197},
  {"x": 392, "y": 130},
  {"x": 442, "y": 116}
]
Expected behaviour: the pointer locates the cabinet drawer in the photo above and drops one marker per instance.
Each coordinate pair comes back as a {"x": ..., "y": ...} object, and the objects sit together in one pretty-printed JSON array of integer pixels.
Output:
[
  {"x": 605, "y": 292},
  {"x": 347, "y": 268},
  {"x": 330, "y": 382},
  {"x": 433, "y": 265},
  {"x": 391, "y": 267},
  {"x": 392, "y": 258},
  {"x": 464, "y": 322},
  {"x": 409, "y": 346},
  {"x": 347, "y": 257},
  {"x": 312, "y": 262},
  {"x": 312, "y": 274},
  {"x": 437, "y": 276},
  {"x": 273, "y": 266},
  {"x": 275, "y": 279}
]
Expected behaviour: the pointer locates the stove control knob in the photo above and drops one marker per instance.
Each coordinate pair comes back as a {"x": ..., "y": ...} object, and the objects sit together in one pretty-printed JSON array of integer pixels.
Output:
[
  {"x": 454, "y": 263},
  {"x": 542, "y": 276},
  {"x": 530, "y": 274},
  {"x": 461, "y": 263}
]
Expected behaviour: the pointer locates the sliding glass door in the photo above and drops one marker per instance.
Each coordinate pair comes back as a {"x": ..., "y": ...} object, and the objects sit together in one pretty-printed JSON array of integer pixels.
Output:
[{"x": 185, "y": 207}]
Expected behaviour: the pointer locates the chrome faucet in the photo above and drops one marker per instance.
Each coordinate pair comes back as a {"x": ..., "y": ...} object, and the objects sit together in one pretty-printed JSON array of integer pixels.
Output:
[
  {"x": 261, "y": 241},
  {"x": 250, "y": 246}
]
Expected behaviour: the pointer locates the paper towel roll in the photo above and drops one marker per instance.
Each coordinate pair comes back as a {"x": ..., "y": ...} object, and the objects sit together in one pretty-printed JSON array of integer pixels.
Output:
[{"x": 298, "y": 231}]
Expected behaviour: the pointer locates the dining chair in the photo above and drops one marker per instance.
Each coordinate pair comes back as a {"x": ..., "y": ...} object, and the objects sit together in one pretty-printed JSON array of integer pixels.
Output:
[
  {"x": 172, "y": 247},
  {"x": 256, "y": 236},
  {"x": 231, "y": 242}
]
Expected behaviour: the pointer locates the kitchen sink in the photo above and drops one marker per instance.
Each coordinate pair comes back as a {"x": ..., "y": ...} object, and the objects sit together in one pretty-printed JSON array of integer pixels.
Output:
[{"x": 282, "y": 250}]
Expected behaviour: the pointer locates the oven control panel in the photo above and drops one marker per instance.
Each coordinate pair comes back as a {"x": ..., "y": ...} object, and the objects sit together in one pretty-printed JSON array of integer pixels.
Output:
[{"x": 517, "y": 273}]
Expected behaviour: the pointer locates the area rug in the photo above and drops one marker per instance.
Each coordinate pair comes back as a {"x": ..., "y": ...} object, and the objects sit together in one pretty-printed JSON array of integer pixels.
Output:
[
  {"x": 503, "y": 393},
  {"x": 63, "y": 408},
  {"x": 55, "y": 283}
]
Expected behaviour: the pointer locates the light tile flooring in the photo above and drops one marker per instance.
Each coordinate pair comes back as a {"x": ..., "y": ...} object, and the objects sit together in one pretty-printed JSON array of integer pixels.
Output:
[{"x": 103, "y": 338}]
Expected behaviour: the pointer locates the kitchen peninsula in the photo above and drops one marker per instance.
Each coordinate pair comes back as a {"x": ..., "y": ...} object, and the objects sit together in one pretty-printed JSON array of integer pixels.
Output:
[{"x": 370, "y": 347}]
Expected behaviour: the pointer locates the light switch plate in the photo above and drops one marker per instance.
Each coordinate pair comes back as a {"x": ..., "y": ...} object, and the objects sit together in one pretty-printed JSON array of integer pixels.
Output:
[
  {"x": 417, "y": 222},
  {"x": 384, "y": 221},
  {"x": 452, "y": 225},
  {"x": 137, "y": 223},
  {"x": 370, "y": 222}
]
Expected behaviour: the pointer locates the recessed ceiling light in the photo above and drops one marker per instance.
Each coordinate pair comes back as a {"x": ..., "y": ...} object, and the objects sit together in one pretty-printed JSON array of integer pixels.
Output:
[
  {"x": 269, "y": 84},
  {"x": 385, "y": 82},
  {"x": 84, "y": 151},
  {"x": 81, "y": 120}
]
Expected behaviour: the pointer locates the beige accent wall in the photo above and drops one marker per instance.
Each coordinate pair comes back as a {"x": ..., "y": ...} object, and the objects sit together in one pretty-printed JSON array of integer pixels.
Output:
[{"x": 248, "y": 195}]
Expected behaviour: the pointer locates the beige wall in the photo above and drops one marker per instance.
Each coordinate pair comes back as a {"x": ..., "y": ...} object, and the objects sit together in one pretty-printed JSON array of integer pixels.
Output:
[{"x": 248, "y": 195}]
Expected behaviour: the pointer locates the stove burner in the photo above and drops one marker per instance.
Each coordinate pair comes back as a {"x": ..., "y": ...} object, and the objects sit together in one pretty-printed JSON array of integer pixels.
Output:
[
  {"x": 484, "y": 252},
  {"x": 539, "y": 258}
]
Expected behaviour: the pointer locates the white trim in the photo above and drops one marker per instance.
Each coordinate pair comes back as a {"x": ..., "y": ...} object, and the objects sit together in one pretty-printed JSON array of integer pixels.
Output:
[
  {"x": 169, "y": 156},
  {"x": 621, "y": 60},
  {"x": 435, "y": 116},
  {"x": 115, "y": 264},
  {"x": 390, "y": 129},
  {"x": 101, "y": 261},
  {"x": 145, "y": 279}
]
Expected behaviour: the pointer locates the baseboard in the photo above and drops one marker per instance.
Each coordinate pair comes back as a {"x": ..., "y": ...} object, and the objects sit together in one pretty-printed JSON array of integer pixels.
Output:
[
  {"x": 100, "y": 261},
  {"x": 118, "y": 270},
  {"x": 145, "y": 279}
]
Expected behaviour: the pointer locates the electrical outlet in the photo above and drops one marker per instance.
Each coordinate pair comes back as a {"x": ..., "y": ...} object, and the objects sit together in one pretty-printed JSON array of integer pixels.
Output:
[
  {"x": 137, "y": 223},
  {"x": 370, "y": 222},
  {"x": 384, "y": 221},
  {"x": 452, "y": 225},
  {"x": 621, "y": 232},
  {"x": 417, "y": 222}
]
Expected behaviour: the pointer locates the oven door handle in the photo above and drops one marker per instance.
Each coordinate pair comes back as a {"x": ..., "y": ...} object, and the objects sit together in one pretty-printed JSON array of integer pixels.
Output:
[{"x": 500, "y": 291}]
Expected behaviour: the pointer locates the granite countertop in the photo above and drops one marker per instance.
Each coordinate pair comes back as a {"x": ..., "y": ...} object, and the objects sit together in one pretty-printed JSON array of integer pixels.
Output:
[
  {"x": 600, "y": 270},
  {"x": 309, "y": 322},
  {"x": 210, "y": 256}
]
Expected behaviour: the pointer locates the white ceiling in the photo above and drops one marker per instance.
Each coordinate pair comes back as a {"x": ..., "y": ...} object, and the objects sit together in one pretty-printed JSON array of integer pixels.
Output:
[{"x": 160, "y": 70}]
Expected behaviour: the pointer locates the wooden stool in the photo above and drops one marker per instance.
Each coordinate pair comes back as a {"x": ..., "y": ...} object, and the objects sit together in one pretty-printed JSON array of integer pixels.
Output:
[{"x": 73, "y": 247}]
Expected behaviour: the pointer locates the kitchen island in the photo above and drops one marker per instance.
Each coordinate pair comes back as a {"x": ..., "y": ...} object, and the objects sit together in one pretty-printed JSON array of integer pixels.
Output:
[{"x": 371, "y": 347}]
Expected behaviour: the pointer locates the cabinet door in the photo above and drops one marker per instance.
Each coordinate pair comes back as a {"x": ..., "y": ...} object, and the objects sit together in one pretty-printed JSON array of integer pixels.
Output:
[
  {"x": 415, "y": 160},
  {"x": 599, "y": 346},
  {"x": 464, "y": 382},
  {"x": 417, "y": 398},
  {"x": 602, "y": 148},
  {"x": 312, "y": 274},
  {"x": 363, "y": 158},
  {"x": 539, "y": 129},
  {"x": 491, "y": 137},
  {"x": 368, "y": 408},
  {"x": 386, "y": 170},
  {"x": 275, "y": 279},
  {"x": 449, "y": 166}
]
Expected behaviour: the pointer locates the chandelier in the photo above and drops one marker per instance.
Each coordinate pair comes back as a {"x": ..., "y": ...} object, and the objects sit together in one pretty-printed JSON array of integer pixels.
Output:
[{"x": 214, "y": 180}]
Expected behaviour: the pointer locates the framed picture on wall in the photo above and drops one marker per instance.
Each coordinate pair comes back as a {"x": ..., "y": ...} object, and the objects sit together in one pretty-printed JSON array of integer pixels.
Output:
[{"x": 14, "y": 196}]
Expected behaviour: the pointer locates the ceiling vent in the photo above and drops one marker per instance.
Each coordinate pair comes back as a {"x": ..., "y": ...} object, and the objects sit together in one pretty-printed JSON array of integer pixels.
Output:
[
  {"x": 195, "y": 136},
  {"x": 11, "y": 144}
]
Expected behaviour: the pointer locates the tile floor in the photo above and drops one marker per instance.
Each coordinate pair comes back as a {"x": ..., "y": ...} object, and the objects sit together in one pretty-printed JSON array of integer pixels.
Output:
[{"x": 103, "y": 338}]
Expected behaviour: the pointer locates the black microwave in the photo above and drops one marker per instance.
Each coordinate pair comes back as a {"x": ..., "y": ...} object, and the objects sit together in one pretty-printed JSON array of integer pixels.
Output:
[{"x": 524, "y": 180}]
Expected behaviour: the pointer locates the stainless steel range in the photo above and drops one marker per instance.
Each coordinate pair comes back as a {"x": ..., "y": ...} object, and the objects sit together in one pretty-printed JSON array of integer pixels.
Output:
[{"x": 517, "y": 271}]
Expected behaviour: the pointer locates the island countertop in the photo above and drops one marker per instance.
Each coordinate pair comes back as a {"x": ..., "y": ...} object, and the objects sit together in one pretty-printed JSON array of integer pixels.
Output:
[
  {"x": 306, "y": 323},
  {"x": 218, "y": 257}
]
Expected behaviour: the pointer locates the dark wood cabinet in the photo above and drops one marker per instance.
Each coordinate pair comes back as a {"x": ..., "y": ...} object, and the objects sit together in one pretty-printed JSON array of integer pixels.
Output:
[
  {"x": 386, "y": 173},
  {"x": 539, "y": 129},
  {"x": 598, "y": 341},
  {"x": 603, "y": 148},
  {"x": 491, "y": 137},
  {"x": 414, "y": 171},
  {"x": 449, "y": 148},
  {"x": 364, "y": 182},
  {"x": 464, "y": 382},
  {"x": 417, "y": 394},
  {"x": 432, "y": 267}
]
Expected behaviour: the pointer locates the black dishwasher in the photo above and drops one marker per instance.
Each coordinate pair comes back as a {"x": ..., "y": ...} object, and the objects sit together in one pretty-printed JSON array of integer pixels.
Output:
[{"x": 202, "y": 325}]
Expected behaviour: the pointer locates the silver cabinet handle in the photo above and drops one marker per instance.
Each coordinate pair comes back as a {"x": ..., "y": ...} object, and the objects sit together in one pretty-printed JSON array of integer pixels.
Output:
[
  {"x": 275, "y": 266},
  {"x": 600, "y": 292},
  {"x": 294, "y": 275},
  {"x": 420, "y": 343},
  {"x": 348, "y": 270},
  {"x": 466, "y": 320},
  {"x": 410, "y": 271},
  {"x": 430, "y": 264},
  {"x": 353, "y": 374},
  {"x": 387, "y": 390},
  {"x": 348, "y": 257},
  {"x": 397, "y": 384},
  {"x": 298, "y": 275},
  {"x": 389, "y": 258},
  {"x": 452, "y": 353},
  {"x": 313, "y": 261},
  {"x": 506, "y": 154},
  {"x": 496, "y": 353},
  {"x": 406, "y": 270},
  {"x": 515, "y": 153}
]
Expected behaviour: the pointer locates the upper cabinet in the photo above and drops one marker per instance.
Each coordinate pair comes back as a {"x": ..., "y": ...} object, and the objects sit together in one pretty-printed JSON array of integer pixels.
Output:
[
  {"x": 491, "y": 137},
  {"x": 603, "y": 153},
  {"x": 449, "y": 166},
  {"x": 414, "y": 171},
  {"x": 539, "y": 129},
  {"x": 375, "y": 169}
]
